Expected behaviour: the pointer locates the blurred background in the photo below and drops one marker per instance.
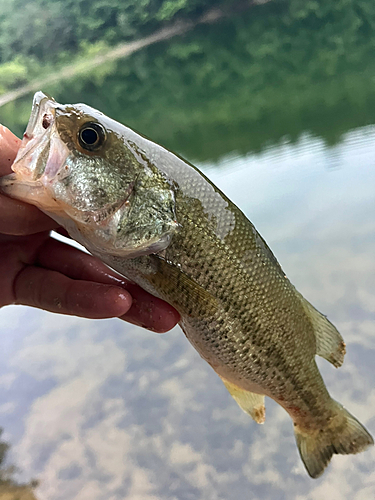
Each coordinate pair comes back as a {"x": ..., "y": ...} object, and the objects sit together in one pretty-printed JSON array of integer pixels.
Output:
[{"x": 274, "y": 101}]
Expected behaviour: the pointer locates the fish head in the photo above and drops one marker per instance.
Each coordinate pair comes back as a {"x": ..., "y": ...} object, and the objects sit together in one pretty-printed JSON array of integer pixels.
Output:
[{"x": 88, "y": 173}]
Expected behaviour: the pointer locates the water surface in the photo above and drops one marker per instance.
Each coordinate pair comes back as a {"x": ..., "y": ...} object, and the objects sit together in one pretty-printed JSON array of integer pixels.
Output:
[{"x": 104, "y": 410}]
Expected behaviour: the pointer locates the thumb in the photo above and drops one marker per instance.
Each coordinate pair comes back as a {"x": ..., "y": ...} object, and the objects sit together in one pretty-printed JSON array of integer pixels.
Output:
[{"x": 9, "y": 145}]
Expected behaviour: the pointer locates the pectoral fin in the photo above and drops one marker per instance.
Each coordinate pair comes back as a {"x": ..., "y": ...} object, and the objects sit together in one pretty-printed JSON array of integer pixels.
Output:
[
  {"x": 250, "y": 402},
  {"x": 329, "y": 343}
]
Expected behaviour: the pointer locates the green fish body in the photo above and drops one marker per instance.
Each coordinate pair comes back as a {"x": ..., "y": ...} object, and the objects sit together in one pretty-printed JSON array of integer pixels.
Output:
[{"x": 159, "y": 221}]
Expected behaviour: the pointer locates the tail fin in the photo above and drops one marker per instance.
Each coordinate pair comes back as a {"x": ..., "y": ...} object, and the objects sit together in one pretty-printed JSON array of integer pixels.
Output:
[{"x": 344, "y": 435}]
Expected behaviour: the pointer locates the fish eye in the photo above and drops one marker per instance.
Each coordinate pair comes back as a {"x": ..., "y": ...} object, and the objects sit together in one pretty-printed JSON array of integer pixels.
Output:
[{"x": 91, "y": 136}]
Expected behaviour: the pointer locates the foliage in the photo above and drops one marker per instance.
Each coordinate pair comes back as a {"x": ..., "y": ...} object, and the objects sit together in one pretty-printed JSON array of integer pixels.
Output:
[
  {"x": 44, "y": 28},
  {"x": 276, "y": 70},
  {"x": 12, "y": 73},
  {"x": 37, "y": 36},
  {"x": 38, "y": 28},
  {"x": 248, "y": 81}
]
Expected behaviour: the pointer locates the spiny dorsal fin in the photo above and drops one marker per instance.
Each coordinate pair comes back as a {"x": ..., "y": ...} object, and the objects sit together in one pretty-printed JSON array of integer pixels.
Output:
[
  {"x": 250, "y": 402},
  {"x": 329, "y": 343}
]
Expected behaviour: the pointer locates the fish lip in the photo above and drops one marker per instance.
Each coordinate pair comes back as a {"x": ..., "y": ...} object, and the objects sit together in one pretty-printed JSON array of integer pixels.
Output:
[
  {"x": 7, "y": 182},
  {"x": 37, "y": 135},
  {"x": 27, "y": 182},
  {"x": 42, "y": 103},
  {"x": 29, "y": 191}
]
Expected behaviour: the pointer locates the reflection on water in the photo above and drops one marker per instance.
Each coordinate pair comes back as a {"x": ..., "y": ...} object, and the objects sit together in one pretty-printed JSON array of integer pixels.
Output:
[
  {"x": 99, "y": 409},
  {"x": 238, "y": 85},
  {"x": 9, "y": 488},
  {"x": 102, "y": 410}
]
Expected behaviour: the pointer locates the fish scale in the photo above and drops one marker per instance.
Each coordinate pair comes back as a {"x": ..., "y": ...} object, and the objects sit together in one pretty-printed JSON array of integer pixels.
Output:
[
  {"x": 159, "y": 221},
  {"x": 233, "y": 301}
]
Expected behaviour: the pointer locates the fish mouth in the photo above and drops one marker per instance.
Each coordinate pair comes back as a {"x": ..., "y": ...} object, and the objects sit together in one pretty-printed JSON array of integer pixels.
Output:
[
  {"x": 36, "y": 138},
  {"x": 39, "y": 158}
]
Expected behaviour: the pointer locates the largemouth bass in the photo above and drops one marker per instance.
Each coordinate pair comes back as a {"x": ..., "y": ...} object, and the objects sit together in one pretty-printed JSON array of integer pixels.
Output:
[{"x": 159, "y": 221}]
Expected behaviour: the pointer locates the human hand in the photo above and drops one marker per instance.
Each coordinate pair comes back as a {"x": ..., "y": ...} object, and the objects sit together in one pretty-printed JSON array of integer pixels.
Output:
[{"x": 39, "y": 271}]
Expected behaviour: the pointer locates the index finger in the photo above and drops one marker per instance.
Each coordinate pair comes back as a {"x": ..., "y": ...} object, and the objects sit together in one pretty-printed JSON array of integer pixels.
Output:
[{"x": 9, "y": 145}]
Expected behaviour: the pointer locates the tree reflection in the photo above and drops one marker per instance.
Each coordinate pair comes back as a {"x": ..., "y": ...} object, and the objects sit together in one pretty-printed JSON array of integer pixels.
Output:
[
  {"x": 253, "y": 80},
  {"x": 10, "y": 489}
]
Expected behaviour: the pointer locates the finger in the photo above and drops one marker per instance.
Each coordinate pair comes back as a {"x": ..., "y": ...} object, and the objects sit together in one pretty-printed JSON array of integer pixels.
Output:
[
  {"x": 150, "y": 312},
  {"x": 18, "y": 218},
  {"x": 75, "y": 264},
  {"x": 57, "y": 293},
  {"x": 9, "y": 145},
  {"x": 146, "y": 310}
]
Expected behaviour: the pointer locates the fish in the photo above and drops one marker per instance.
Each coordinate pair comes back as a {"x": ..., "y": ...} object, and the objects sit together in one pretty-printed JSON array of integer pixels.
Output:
[{"x": 156, "y": 219}]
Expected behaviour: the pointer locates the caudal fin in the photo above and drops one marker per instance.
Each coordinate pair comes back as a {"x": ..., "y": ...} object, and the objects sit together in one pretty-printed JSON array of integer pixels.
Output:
[{"x": 343, "y": 436}]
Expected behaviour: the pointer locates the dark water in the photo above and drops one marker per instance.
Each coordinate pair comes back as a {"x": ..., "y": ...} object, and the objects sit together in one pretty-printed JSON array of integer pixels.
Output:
[{"x": 101, "y": 410}]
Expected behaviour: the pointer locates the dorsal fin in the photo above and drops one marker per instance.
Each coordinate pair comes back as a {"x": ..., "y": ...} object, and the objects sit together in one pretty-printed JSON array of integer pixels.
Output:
[{"x": 329, "y": 343}]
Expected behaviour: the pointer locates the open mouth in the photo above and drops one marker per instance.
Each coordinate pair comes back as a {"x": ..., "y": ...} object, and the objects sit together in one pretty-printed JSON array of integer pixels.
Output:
[
  {"x": 39, "y": 158},
  {"x": 34, "y": 149}
]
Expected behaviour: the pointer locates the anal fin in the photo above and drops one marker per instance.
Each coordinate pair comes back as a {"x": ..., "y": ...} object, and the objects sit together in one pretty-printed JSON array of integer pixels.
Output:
[
  {"x": 329, "y": 343},
  {"x": 250, "y": 402}
]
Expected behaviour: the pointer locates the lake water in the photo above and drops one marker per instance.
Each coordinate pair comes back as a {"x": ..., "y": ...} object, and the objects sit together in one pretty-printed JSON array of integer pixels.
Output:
[{"x": 104, "y": 410}]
